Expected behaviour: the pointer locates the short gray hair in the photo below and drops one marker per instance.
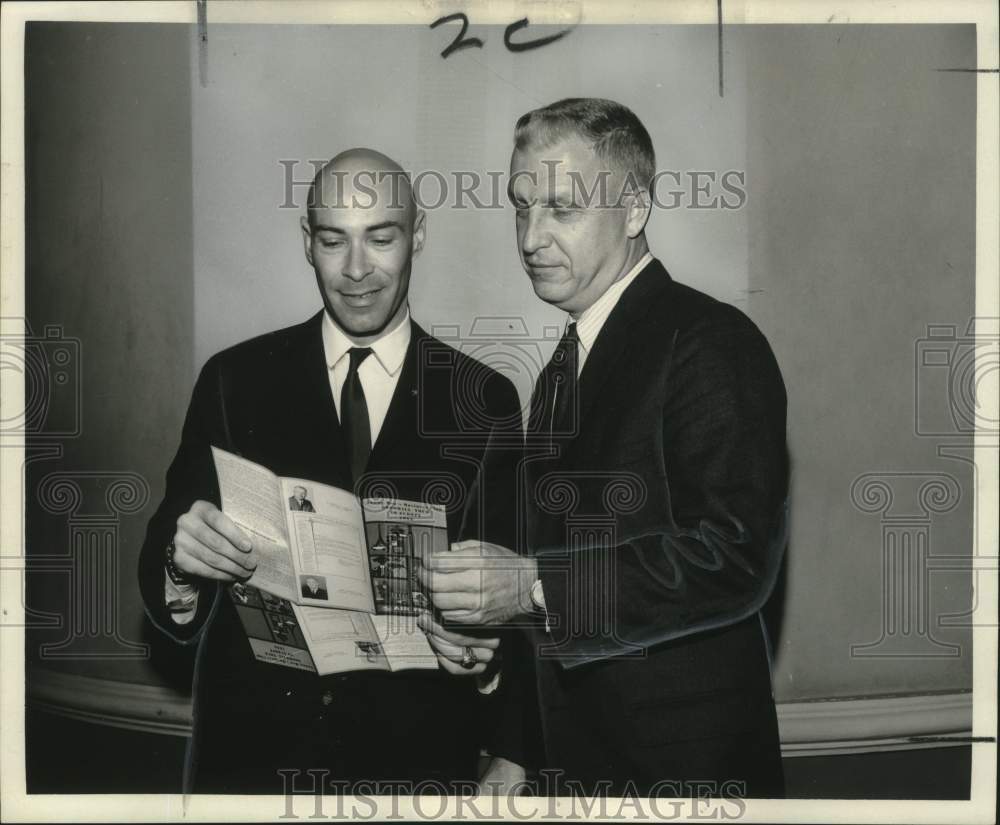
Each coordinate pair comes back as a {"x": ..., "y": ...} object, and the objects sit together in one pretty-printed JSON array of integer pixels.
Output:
[{"x": 614, "y": 132}]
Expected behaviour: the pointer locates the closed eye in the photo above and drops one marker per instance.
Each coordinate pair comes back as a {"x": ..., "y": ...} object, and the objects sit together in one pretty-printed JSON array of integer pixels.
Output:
[{"x": 565, "y": 213}]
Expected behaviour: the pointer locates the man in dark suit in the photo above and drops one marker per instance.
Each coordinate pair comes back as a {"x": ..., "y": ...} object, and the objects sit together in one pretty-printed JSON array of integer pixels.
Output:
[
  {"x": 298, "y": 502},
  {"x": 358, "y": 397},
  {"x": 314, "y": 588},
  {"x": 655, "y": 479}
]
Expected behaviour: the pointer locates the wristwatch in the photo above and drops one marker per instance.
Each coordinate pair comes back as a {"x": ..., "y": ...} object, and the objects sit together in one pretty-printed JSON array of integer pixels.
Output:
[
  {"x": 538, "y": 600},
  {"x": 537, "y": 595},
  {"x": 175, "y": 574}
]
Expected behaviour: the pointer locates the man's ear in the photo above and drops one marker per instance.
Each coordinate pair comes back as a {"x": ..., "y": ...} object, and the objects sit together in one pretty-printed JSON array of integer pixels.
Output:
[
  {"x": 419, "y": 231},
  {"x": 637, "y": 208},
  {"x": 307, "y": 238}
]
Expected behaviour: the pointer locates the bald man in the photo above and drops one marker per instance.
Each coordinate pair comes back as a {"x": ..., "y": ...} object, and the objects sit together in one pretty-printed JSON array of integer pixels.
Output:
[{"x": 361, "y": 398}]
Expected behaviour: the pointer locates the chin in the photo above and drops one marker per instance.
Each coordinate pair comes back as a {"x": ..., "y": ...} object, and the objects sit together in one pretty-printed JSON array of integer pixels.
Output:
[
  {"x": 359, "y": 326},
  {"x": 551, "y": 293}
]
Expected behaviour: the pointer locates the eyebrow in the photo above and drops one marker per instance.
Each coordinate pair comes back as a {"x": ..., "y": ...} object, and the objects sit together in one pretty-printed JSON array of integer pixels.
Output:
[
  {"x": 560, "y": 199},
  {"x": 322, "y": 227}
]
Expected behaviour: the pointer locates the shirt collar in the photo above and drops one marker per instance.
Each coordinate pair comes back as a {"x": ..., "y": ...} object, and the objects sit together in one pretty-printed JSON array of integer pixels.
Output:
[
  {"x": 389, "y": 350},
  {"x": 592, "y": 319}
]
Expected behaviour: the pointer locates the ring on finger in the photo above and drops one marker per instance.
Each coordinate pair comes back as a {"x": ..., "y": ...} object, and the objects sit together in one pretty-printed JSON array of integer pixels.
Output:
[{"x": 469, "y": 658}]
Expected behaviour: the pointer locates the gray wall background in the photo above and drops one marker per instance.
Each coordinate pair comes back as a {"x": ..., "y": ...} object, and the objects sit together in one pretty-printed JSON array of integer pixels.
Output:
[
  {"x": 155, "y": 237},
  {"x": 109, "y": 263},
  {"x": 861, "y": 171},
  {"x": 292, "y": 92}
]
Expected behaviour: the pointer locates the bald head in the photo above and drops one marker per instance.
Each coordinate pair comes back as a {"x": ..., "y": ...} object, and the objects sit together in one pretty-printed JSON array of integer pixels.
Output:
[
  {"x": 361, "y": 234},
  {"x": 362, "y": 178}
]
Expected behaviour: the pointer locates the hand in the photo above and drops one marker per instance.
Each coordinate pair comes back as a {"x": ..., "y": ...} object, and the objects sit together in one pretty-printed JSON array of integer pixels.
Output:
[
  {"x": 478, "y": 582},
  {"x": 208, "y": 544},
  {"x": 449, "y": 647},
  {"x": 502, "y": 777}
]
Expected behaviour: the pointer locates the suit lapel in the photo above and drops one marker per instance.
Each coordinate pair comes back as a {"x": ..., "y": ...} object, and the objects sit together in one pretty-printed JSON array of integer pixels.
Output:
[
  {"x": 309, "y": 377},
  {"x": 631, "y": 309}
]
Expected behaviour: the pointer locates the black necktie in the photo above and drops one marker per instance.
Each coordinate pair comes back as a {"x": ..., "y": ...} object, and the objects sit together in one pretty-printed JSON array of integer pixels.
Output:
[
  {"x": 354, "y": 414},
  {"x": 555, "y": 392}
]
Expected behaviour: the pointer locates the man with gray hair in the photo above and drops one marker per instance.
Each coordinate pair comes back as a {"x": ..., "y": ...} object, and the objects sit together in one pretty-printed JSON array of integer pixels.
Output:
[
  {"x": 655, "y": 475},
  {"x": 298, "y": 502}
]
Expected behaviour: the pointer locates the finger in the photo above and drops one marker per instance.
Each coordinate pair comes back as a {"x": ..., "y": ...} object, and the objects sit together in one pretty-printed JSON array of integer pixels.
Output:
[
  {"x": 188, "y": 550},
  {"x": 456, "y": 601},
  {"x": 206, "y": 513},
  {"x": 427, "y": 623},
  {"x": 460, "y": 545},
  {"x": 469, "y": 616},
  {"x": 483, "y": 655},
  {"x": 459, "y": 581},
  {"x": 203, "y": 534},
  {"x": 220, "y": 546},
  {"x": 195, "y": 567},
  {"x": 456, "y": 653},
  {"x": 225, "y": 526},
  {"x": 457, "y": 670},
  {"x": 428, "y": 579},
  {"x": 444, "y": 561}
]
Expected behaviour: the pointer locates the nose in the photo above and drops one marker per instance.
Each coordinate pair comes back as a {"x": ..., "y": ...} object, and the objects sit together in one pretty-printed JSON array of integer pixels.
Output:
[
  {"x": 356, "y": 266},
  {"x": 533, "y": 236}
]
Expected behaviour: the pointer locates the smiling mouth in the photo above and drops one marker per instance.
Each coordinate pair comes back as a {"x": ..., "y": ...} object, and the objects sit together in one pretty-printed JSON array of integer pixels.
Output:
[{"x": 359, "y": 299}]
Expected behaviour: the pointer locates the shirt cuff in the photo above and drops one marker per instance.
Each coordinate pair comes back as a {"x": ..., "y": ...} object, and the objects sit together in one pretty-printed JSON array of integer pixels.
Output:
[
  {"x": 487, "y": 687},
  {"x": 181, "y": 600}
]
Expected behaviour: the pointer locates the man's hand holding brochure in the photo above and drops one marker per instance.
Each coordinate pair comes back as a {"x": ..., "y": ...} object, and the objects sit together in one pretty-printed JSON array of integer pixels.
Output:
[{"x": 336, "y": 586}]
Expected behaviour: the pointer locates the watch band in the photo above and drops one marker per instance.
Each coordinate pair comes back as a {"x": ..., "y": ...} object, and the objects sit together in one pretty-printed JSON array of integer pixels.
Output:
[{"x": 176, "y": 575}]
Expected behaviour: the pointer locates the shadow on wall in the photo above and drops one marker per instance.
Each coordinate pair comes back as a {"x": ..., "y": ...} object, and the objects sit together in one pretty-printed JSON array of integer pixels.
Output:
[{"x": 773, "y": 611}]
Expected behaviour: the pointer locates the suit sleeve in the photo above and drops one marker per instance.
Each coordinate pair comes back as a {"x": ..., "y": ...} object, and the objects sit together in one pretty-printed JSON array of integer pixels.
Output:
[
  {"x": 191, "y": 477},
  {"x": 713, "y": 558}
]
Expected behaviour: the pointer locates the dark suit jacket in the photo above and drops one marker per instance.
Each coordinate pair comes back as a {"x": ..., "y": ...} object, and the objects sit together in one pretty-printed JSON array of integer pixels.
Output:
[
  {"x": 258, "y": 400},
  {"x": 305, "y": 506},
  {"x": 659, "y": 530},
  {"x": 319, "y": 594}
]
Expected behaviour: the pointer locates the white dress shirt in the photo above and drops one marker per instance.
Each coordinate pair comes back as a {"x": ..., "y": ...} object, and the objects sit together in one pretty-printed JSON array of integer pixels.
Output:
[
  {"x": 591, "y": 320},
  {"x": 379, "y": 374}
]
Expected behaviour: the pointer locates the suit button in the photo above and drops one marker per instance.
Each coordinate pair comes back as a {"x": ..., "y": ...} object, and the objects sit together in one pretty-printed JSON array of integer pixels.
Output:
[{"x": 327, "y": 697}]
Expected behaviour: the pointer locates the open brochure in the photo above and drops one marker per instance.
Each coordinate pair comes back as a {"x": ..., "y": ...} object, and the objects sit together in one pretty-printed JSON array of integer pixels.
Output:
[{"x": 336, "y": 584}]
